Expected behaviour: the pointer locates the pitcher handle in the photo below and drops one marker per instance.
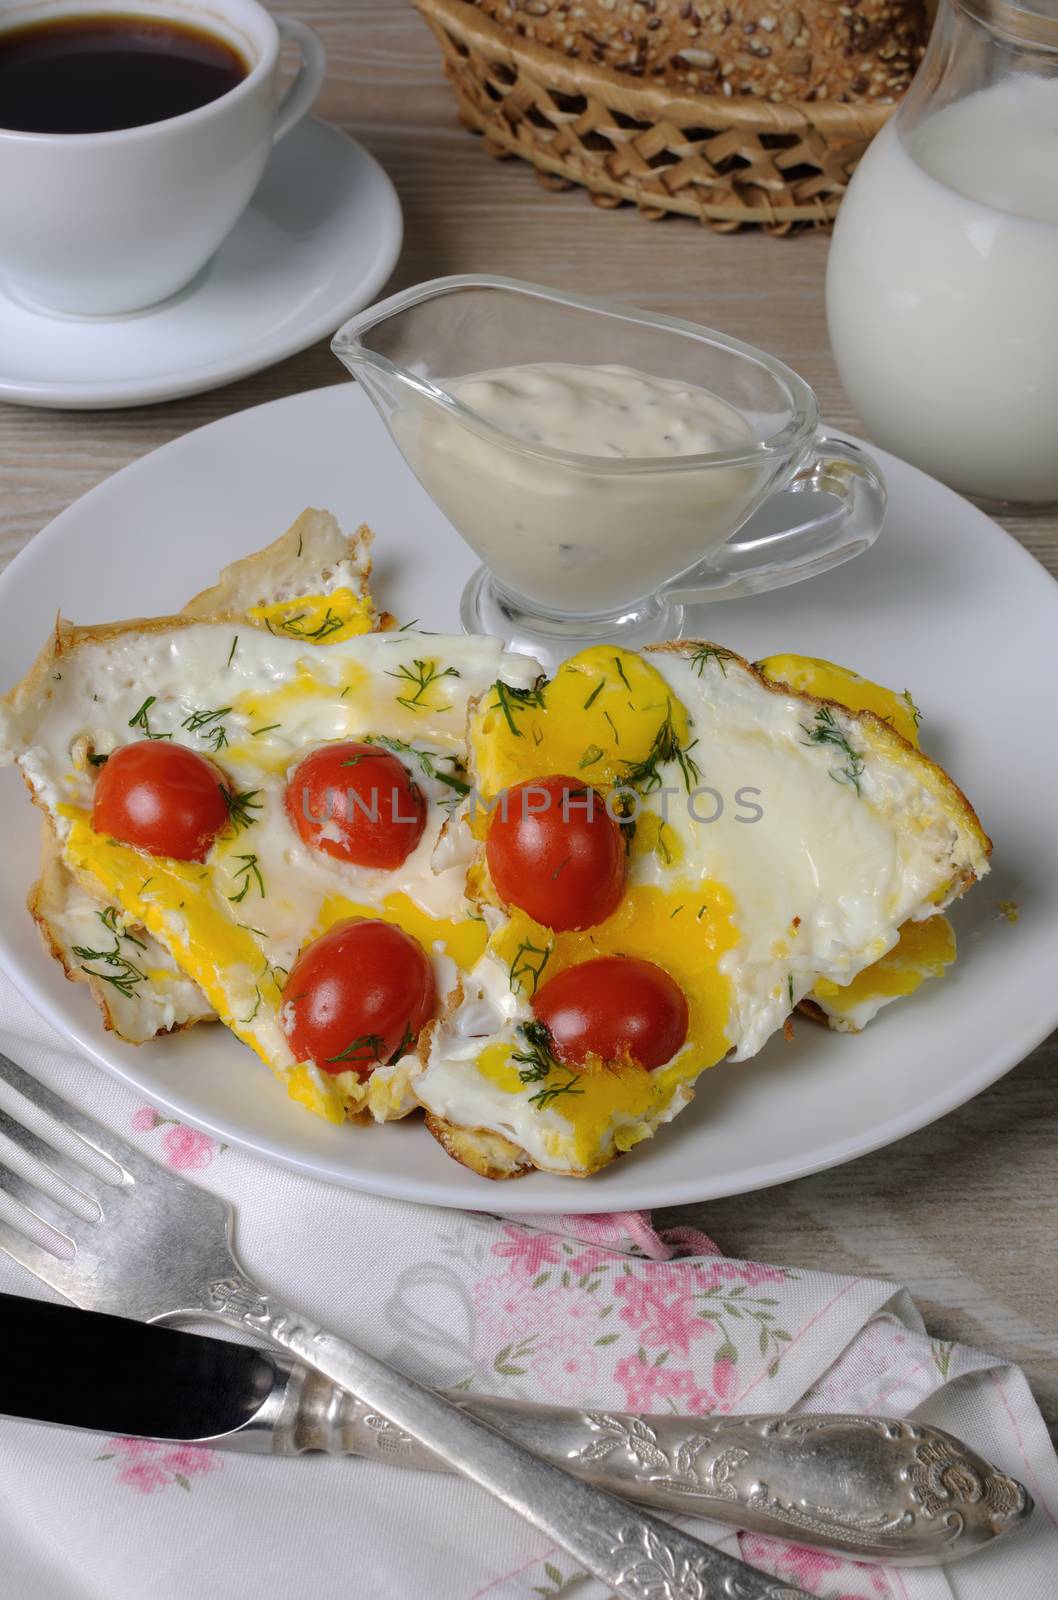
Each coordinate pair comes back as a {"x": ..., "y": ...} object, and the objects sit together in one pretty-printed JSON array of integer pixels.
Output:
[{"x": 771, "y": 561}]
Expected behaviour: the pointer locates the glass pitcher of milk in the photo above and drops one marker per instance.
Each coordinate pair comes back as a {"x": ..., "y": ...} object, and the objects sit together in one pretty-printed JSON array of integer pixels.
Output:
[
  {"x": 942, "y": 282},
  {"x": 598, "y": 460}
]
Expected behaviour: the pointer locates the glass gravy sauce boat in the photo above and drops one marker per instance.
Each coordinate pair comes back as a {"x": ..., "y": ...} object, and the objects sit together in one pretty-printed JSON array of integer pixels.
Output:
[{"x": 578, "y": 547}]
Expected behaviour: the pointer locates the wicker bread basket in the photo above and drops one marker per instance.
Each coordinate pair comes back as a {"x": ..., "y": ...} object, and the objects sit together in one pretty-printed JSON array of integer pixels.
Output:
[{"x": 727, "y": 162}]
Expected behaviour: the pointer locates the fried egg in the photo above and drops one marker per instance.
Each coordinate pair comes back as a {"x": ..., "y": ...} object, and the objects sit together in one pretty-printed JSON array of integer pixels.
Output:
[
  {"x": 310, "y": 582},
  {"x": 781, "y": 842},
  {"x": 255, "y": 700},
  {"x": 925, "y": 949}
]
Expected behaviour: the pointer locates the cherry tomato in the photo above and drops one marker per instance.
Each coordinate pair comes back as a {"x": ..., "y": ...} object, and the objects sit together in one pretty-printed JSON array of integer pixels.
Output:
[
  {"x": 161, "y": 798},
  {"x": 358, "y": 803},
  {"x": 358, "y": 995},
  {"x": 554, "y": 851},
  {"x": 614, "y": 1007}
]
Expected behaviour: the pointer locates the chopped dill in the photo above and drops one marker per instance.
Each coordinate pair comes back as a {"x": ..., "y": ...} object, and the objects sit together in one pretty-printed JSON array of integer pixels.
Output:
[
  {"x": 675, "y": 913},
  {"x": 123, "y": 976},
  {"x": 596, "y": 692},
  {"x": 644, "y": 774},
  {"x": 421, "y": 675},
  {"x": 789, "y": 989},
  {"x": 330, "y": 624},
  {"x": 202, "y": 719},
  {"x": 402, "y": 1048},
  {"x": 109, "y": 919},
  {"x": 455, "y": 779},
  {"x": 142, "y": 721},
  {"x": 827, "y": 731},
  {"x": 911, "y": 706},
  {"x": 591, "y": 757},
  {"x": 231, "y": 652},
  {"x": 621, "y": 673},
  {"x": 613, "y": 727},
  {"x": 248, "y": 872},
  {"x": 268, "y": 728},
  {"x": 257, "y": 1006},
  {"x": 537, "y": 1063},
  {"x": 528, "y": 965},
  {"x": 366, "y": 1048},
  {"x": 240, "y": 806},
  {"x": 509, "y": 700},
  {"x": 709, "y": 652}
]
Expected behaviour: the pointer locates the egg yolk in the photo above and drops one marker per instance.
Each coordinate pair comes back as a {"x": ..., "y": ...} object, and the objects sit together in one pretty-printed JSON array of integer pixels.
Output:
[
  {"x": 923, "y": 950},
  {"x": 811, "y": 675},
  {"x": 317, "y": 618},
  {"x": 599, "y": 717},
  {"x": 686, "y": 930}
]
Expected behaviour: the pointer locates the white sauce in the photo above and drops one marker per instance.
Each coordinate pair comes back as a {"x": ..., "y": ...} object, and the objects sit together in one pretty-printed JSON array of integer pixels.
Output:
[
  {"x": 941, "y": 291},
  {"x": 575, "y": 537}
]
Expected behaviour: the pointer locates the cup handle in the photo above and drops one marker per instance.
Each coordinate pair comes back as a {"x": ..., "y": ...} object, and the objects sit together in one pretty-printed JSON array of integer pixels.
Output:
[
  {"x": 308, "y": 79},
  {"x": 771, "y": 561}
]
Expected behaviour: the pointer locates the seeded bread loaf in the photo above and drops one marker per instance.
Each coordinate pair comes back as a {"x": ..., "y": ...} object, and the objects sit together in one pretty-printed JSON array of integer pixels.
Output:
[{"x": 836, "y": 50}]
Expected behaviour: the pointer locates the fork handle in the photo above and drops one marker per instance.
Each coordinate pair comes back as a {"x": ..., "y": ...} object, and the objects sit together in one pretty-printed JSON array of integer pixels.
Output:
[{"x": 635, "y": 1555}]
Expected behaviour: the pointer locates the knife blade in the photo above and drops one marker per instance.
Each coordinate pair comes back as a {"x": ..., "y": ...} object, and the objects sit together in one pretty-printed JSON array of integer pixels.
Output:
[
  {"x": 87, "y": 1369},
  {"x": 847, "y": 1483}
]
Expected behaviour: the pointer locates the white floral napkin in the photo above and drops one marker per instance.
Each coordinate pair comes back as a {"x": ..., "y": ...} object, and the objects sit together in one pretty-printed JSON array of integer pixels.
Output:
[{"x": 601, "y": 1310}]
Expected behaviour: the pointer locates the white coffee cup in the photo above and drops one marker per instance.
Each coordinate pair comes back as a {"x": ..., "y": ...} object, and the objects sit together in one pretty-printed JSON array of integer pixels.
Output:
[{"x": 104, "y": 223}]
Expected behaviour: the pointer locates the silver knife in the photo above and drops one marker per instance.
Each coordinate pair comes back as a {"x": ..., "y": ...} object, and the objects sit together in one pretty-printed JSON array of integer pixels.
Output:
[{"x": 870, "y": 1487}]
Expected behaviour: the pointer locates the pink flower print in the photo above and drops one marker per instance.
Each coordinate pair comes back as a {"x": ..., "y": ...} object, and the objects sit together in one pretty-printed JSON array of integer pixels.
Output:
[
  {"x": 565, "y": 1368},
  {"x": 145, "y": 1477},
  {"x": 593, "y": 1259},
  {"x": 662, "y": 1309},
  {"x": 506, "y": 1313},
  {"x": 751, "y": 1272},
  {"x": 528, "y": 1252},
  {"x": 660, "y": 1388},
  {"x": 812, "y": 1569},
  {"x": 187, "y": 1150},
  {"x": 145, "y": 1120},
  {"x": 149, "y": 1466},
  {"x": 723, "y": 1371}
]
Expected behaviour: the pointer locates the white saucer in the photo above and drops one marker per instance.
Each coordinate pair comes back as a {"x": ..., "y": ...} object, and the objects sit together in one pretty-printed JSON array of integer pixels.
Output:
[{"x": 317, "y": 241}]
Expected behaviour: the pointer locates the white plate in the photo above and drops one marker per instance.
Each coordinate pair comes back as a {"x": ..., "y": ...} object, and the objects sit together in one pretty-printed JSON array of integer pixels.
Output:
[
  {"x": 317, "y": 241},
  {"x": 946, "y": 603}
]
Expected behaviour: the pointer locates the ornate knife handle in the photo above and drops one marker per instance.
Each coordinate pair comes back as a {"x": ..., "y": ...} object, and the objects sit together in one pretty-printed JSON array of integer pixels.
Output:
[
  {"x": 634, "y": 1554},
  {"x": 870, "y": 1487}
]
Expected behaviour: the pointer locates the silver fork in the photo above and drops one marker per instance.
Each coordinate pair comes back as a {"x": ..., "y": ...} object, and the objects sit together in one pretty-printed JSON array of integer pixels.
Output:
[{"x": 159, "y": 1248}]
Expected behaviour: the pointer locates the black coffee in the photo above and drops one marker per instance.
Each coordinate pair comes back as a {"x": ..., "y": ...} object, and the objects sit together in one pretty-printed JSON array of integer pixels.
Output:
[{"x": 88, "y": 74}]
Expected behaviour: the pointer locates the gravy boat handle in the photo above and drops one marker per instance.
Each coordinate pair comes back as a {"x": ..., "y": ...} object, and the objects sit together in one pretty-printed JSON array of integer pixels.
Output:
[{"x": 837, "y": 468}]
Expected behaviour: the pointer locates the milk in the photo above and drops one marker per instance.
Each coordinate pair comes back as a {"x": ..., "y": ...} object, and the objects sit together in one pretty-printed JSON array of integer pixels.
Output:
[{"x": 942, "y": 291}]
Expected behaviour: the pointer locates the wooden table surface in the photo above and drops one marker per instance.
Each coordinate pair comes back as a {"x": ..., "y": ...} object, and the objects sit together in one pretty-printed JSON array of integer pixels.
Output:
[{"x": 965, "y": 1212}]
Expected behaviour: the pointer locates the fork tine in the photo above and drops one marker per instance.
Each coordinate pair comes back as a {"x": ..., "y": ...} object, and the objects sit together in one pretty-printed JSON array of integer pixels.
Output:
[
  {"x": 93, "y": 1133},
  {"x": 54, "y": 1160},
  {"x": 61, "y": 1275},
  {"x": 38, "y": 1201}
]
